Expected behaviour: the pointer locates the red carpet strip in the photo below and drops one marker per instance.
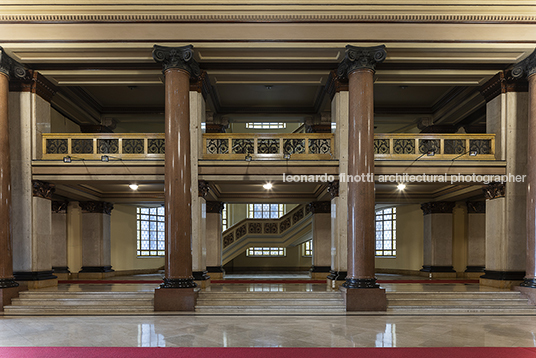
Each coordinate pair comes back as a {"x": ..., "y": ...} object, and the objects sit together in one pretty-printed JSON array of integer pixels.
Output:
[
  {"x": 256, "y": 281},
  {"x": 129, "y": 352}
]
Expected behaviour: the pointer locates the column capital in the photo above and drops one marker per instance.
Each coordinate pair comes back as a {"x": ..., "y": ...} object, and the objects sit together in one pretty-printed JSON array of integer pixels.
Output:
[
  {"x": 34, "y": 82},
  {"x": 43, "y": 190},
  {"x": 525, "y": 68},
  {"x": 203, "y": 188},
  {"x": 59, "y": 206},
  {"x": 361, "y": 57},
  {"x": 333, "y": 189},
  {"x": 438, "y": 207},
  {"x": 177, "y": 57},
  {"x": 320, "y": 207},
  {"x": 503, "y": 82},
  {"x": 99, "y": 207},
  {"x": 494, "y": 190},
  {"x": 10, "y": 67},
  {"x": 476, "y": 207},
  {"x": 215, "y": 207}
]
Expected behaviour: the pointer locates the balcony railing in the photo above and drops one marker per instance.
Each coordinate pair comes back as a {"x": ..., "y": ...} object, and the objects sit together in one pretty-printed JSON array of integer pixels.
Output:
[
  {"x": 410, "y": 146},
  {"x": 296, "y": 146},
  {"x": 96, "y": 145}
]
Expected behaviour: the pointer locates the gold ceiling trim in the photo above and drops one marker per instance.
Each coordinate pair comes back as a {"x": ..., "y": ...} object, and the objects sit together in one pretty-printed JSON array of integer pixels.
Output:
[{"x": 397, "y": 18}]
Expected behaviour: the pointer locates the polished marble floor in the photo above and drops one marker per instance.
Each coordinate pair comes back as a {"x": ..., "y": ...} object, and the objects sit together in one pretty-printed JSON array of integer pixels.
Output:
[{"x": 269, "y": 331}]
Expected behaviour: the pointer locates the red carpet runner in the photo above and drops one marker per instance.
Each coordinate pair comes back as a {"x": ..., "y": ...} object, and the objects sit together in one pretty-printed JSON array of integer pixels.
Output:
[{"x": 128, "y": 352}]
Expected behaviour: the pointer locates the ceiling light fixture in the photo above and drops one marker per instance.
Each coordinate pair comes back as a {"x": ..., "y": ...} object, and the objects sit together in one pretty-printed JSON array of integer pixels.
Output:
[
  {"x": 268, "y": 186},
  {"x": 287, "y": 156},
  {"x": 133, "y": 186},
  {"x": 248, "y": 158},
  {"x": 473, "y": 153},
  {"x": 401, "y": 186},
  {"x": 67, "y": 159},
  {"x": 104, "y": 158}
]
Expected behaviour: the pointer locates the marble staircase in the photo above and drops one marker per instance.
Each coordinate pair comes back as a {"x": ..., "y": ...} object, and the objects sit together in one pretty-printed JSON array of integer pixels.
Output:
[
  {"x": 80, "y": 303},
  {"x": 270, "y": 302},
  {"x": 430, "y": 303}
]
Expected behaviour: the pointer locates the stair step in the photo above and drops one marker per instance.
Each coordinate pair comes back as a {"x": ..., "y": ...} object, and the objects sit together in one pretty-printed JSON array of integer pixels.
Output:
[
  {"x": 456, "y": 302},
  {"x": 264, "y": 302},
  {"x": 85, "y": 295},
  {"x": 270, "y": 309},
  {"x": 82, "y": 301},
  {"x": 270, "y": 295},
  {"x": 457, "y": 295},
  {"x": 41, "y": 309}
]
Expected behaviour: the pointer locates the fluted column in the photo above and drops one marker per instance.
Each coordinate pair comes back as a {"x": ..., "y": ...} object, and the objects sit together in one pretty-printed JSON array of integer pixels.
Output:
[
  {"x": 8, "y": 286},
  {"x": 359, "y": 66},
  {"x": 528, "y": 68},
  {"x": 179, "y": 66}
]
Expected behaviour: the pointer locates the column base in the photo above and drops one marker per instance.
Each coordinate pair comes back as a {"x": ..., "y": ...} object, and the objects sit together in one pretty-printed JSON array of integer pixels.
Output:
[
  {"x": 360, "y": 283},
  {"x": 438, "y": 271},
  {"x": 319, "y": 272},
  {"x": 201, "y": 279},
  {"x": 370, "y": 299},
  {"x": 335, "y": 279},
  {"x": 216, "y": 272},
  {"x": 502, "y": 279},
  {"x": 60, "y": 269},
  {"x": 95, "y": 272},
  {"x": 36, "y": 279},
  {"x": 7, "y": 294},
  {"x": 475, "y": 269},
  {"x": 175, "y": 299}
]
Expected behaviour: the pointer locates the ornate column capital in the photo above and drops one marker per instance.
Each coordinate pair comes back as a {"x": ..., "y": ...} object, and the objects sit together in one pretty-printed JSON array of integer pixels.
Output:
[
  {"x": 525, "y": 68},
  {"x": 333, "y": 189},
  {"x": 215, "y": 207},
  {"x": 438, "y": 207},
  {"x": 203, "y": 188},
  {"x": 361, "y": 57},
  {"x": 98, "y": 207},
  {"x": 43, "y": 190},
  {"x": 10, "y": 67},
  {"x": 320, "y": 207},
  {"x": 177, "y": 57},
  {"x": 59, "y": 207},
  {"x": 476, "y": 207},
  {"x": 494, "y": 190}
]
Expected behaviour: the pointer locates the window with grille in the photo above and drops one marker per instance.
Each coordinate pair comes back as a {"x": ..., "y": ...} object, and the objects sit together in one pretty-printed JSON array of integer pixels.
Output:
[
  {"x": 265, "y": 211},
  {"x": 386, "y": 232},
  {"x": 151, "y": 231},
  {"x": 307, "y": 248},
  {"x": 266, "y": 252},
  {"x": 224, "y": 218},
  {"x": 272, "y": 125}
]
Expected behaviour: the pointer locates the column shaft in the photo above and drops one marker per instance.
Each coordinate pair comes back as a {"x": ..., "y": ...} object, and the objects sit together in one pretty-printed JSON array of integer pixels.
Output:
[
  {"x": 361, "y": 161},
  {"x": 6, "y": 261},
  {"x": 178, "y": 264},
  {"x": 531, "y": 188}
]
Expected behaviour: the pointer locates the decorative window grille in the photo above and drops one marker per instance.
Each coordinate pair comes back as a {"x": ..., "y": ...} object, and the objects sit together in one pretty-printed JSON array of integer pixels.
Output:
[
  {"x": 386, "y": 232},
  {"x": 266, "y": 252},
  {"x": 271, "y": 125},
  {"x": 265, "y": 211},
  {"x": 151, "y": 232}
]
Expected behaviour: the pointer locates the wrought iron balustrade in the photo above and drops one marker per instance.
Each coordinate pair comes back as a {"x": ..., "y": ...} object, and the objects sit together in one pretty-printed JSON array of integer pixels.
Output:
[
  {"x": 96, "y": 145},
  {"x": 411, "y": 146},
  {"x": 296, "y": 146}
]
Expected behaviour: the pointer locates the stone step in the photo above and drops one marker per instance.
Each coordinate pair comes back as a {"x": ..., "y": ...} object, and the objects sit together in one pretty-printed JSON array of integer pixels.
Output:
[
  {"x": 270, "y": 309},
  {"x": 471, "y": 308},
  {"x": 43, "y": 309},
  {"x": 82, "y": 301},
  {"x": 270, "y": 301},
  {"x": 85, "y": 295},
  {"x": 456, "y": 295},
  {"x": 270, "y": 295}
]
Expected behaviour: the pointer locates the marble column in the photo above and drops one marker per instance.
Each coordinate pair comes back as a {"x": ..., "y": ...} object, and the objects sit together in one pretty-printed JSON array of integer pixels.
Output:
[
  {"x": 339, "y": 209},
  {"x": 199, "y": 240},
  {"x": 321, "y": 223},
  {"x": 505, "y": 262},
  {"x": 528, "y": 68},
  {"x": 96, "y": 239},
  {"x": 359, "y": 65},
  {"x": 437, "y": 245},
  {"x": 8, "y": 287},
  {"x": 58, "y": 240},
  {"x": 476, "y": 238},
  {"x": 214, "y": 239},
  {"x": 177, "y": 292}
]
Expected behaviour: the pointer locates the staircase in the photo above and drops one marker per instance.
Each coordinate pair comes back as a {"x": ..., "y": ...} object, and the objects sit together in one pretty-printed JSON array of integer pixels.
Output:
[
  {"x": 430, "y": 303},
  {"x": 80, "y": 303},
  {"x": 292, "y": 229},
  {"x": 270, "y": 302}
]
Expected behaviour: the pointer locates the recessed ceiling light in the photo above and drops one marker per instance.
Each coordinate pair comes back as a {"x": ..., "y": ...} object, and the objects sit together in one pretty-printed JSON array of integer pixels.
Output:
[
  {"x": 268, "y": 186},
  {"x": 401, "y": 186},
  {"x": 133, "y": 186}
]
